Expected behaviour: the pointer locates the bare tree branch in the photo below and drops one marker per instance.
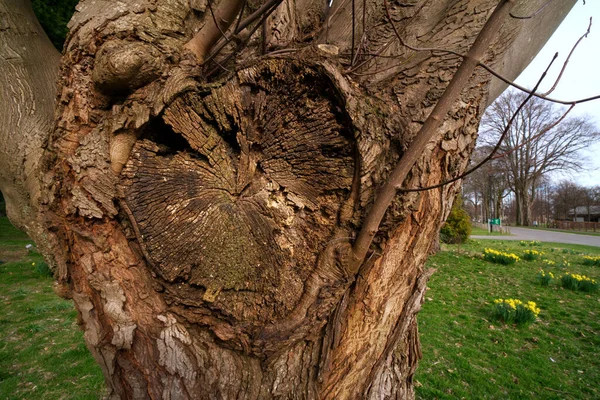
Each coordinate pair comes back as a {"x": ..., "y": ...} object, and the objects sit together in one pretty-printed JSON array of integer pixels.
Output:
[
  {"x": 221, "y": 20},
  {"x": 426, "y": 133},
  {"x": 564, "y": 67},
  {"x": 499, "y": 142}
]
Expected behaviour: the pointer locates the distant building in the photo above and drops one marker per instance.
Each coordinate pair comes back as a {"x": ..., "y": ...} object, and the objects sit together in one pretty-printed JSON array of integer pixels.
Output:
[{"x": 582, "y": 214}]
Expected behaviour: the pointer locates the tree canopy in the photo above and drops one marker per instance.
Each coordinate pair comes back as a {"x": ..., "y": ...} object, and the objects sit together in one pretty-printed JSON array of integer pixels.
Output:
[{"x": 54, "y": 15}]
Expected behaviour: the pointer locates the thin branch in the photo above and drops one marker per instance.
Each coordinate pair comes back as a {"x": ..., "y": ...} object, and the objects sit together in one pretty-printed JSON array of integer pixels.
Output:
[
  {"x": 266, "y": 8},
  {"x": 245, "y": 41},
  {"x": 214, "y": 18},
  {"x": 492, "y": 155},
  {"x": 239, "y": 19},
  {"x": 257, "y": 14},
  {"x": 528, "y": 91},
  {"x": 377, "y": 71},
  {"x": 564, "y": 67},
  {"x": 356, "y": 67},
  {"x": 535, "y": 13},
  {"x": 538, "y": 135},
  {"x": 353, "y": 29},
  {"x": 363, "y": 39},
  {"x": 427, "y": 132}
]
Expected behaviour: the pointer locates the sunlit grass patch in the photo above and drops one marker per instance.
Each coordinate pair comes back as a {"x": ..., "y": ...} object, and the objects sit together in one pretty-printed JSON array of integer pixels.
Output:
[
  {"x": 467, "y": 354},
  {"x": 42, "y": 351}
]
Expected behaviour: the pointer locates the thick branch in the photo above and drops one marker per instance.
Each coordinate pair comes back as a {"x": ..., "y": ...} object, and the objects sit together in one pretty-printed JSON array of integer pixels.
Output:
[
  {"x": 215, "y": 28},
  {"x": 427, "y": 132},
  {"x": 28, "y": 74}
]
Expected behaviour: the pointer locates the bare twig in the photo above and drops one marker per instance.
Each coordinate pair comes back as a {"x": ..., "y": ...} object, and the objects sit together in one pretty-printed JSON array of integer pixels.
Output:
[
  {"x": 353, "y": 29},
  {"x": 244, "y": 42},
  {"x": 381, "y": 50},
  {"x": 239, "y": 20},
  {"x": 500, "y": 140},
  {"x": 564, "y": 67},
  {"x": 214, "y": 18},
  {"x": 528, "y": 91},
  {"x": 257, "y": 14},
  {"x": 265, "y": 9},
  {"x": 536, "y": 136},
  {"x": 426, "y": 133}
]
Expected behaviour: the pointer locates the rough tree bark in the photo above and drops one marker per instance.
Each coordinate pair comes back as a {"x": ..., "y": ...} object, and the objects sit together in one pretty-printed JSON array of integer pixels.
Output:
[{"x": 205, "y": 222}]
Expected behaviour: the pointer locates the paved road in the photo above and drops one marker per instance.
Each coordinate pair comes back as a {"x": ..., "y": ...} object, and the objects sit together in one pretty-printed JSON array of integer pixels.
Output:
[{"x": 546, "y": 236}]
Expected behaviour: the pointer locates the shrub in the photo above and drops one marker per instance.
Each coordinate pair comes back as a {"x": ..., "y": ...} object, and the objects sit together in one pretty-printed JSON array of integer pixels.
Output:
[
  {"x": 458, "y": 225},
  {"x": 530, "y": 244},
  {"x": 544, "y": 278},
  {"x": 564, "y": 263},
  {"x": 499, "y": 257},
  {"x": 531, "y": 255},
  {"x": 43, "y": 269},
  {"x": 515, "y": 311},
  {"x": 578, "y": 282},
  {"x": 591, "y": 260}
]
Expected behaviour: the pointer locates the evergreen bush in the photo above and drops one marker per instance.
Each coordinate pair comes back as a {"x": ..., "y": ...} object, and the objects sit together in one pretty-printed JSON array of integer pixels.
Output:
[{"x": 458, "y": 225}]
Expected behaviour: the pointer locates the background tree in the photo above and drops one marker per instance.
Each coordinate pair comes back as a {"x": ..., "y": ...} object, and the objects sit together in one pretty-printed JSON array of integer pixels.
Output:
[
  {"x": 219, "y": 193},
  {"x": 54, "y": 15},
  {"x": 487, "y": 185},
  {"x": 542, "y": 205},
  {"x": 566, "y": 197},
  {"x": 533, "y": 145},
  {"x": 589, "y": 198}
]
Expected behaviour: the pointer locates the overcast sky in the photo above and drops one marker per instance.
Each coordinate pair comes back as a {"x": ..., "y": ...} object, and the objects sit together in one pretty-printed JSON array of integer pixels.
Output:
[{"x": 582, "y": 77}]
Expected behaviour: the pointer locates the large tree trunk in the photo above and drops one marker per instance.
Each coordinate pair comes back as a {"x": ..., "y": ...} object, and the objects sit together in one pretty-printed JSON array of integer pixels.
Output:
[
  {"x": 205, "y": 224},
  {"x": 28, "y": 75}
]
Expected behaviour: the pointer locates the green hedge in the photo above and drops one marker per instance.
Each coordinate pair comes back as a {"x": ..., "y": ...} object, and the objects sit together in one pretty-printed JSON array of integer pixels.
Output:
[{"x": 458, "y": 225}]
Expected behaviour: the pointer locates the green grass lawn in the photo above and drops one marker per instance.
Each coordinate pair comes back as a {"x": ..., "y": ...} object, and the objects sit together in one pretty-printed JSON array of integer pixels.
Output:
[
  {"x": 475, "y": 231},
  {"x": 468, "y": 355},
  {"x": 42, "y": 352}
]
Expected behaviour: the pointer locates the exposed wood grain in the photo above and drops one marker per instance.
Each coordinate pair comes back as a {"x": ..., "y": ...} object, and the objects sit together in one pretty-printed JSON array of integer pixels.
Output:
[{"x": 237, "y": 181}]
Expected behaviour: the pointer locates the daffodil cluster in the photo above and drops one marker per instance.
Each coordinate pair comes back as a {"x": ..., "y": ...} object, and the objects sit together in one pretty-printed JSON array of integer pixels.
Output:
[
  {"x": 500, "y": 257},
  {"x": 531, "y": 255},
  {"x": 545, "y": 277},
  {"x": 564, "y": 263},
  {"x": 514, "y": 310},
  {"x": 549, "y": 262},
  {"x": 532, "y": 243},
  {"x": 591, "y": 260},
  {"x": 578, "y": 282}
]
